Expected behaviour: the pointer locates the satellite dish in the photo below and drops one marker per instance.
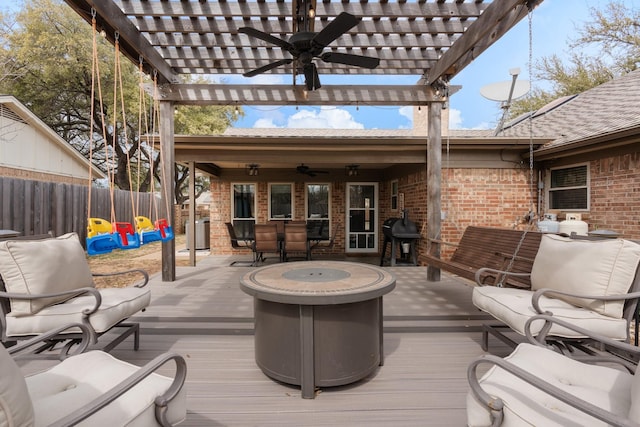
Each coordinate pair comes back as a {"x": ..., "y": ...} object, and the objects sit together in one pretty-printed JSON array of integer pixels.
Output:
[
  {"x": 505, "y": 92},
  {"x": 500, "y": 91}
]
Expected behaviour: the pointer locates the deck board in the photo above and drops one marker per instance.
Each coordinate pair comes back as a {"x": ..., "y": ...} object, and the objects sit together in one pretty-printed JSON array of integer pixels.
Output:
[{"x": 431, "y": 335}]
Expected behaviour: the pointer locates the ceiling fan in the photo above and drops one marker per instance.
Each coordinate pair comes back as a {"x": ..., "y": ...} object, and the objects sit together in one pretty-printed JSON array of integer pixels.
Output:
[
  {"x": 306, "y": 170},
  {"x": 304, "y": 46}
]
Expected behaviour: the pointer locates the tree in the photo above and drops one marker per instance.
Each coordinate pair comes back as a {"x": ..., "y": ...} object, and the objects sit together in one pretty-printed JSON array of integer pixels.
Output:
[
  {"x": 615, "y": 30},
  {"x": 50, "y": 49}
]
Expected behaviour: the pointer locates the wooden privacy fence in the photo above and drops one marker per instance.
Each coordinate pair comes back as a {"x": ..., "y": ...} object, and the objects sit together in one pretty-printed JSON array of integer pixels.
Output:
[{"x": 38, "y": 207}]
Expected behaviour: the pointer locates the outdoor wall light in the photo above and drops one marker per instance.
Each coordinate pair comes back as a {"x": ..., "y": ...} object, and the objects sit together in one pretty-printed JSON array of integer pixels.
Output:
[
  {"x": 252, "y": 169},
  {"x": 312, "y": 12},
  {"x": 351, "y": 170}
]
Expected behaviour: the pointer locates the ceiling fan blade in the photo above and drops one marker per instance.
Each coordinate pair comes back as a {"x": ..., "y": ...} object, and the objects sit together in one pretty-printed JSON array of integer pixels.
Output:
[
  {"x": 311, "y": 78},
  {"x": 267, "y": 67},
  {"x": 343, "y": 23},
  {"x": 266, "y": 37},
  {"x": 349, "y": 59}
]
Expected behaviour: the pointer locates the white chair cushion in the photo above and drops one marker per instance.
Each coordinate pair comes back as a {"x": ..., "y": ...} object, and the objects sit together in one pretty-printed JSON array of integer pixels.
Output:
[
  {"x": 527, "y": 405},
  {"x": 43, "y": 266},
  {"x": 79, "y": 379},
  {"x": 117, "y": 304},
  {"x": 15, "y": 404},
  {"x": 586, "y": 267},
  {"x": 513, "y": 307}
]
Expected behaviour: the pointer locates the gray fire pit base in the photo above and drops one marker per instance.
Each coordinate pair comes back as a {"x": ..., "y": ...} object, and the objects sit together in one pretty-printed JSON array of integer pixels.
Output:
[{"x": 318, "y": 345}]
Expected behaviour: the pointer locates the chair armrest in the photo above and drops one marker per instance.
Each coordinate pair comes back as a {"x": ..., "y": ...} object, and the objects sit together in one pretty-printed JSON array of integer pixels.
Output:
[
  {"x": 535, "y": 299},
  {"x": 549, "y": 320},
  {"x": 161, "y": 401},
  {"x": 70, "y": 293},
  {"x": 80, "y": 348},
  {"x": 495, "y": 404},
  {"x": 144, "y": 274},
  {"x": 485, "y": 270}
]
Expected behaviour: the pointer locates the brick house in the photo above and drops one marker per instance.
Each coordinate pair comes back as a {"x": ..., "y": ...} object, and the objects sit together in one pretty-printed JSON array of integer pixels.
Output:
[{"x": 486, "y": 179}]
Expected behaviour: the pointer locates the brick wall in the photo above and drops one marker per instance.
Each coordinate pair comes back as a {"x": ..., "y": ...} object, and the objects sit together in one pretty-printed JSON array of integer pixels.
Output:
[
  {"x": 615, "y": 195},
  {"x": 491, "y": 197},
  {"x": 40, "y": 176}
]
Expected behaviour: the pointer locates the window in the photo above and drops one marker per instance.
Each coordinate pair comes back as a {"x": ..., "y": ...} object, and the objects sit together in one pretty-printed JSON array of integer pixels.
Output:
[
  {"x": 243, "y": 209},
  {"x": 569, "y": 188},
  {"x": 318, "y": 209},
  {"x": 280, "y": 201},
  {"x": 394, "y": 195}
]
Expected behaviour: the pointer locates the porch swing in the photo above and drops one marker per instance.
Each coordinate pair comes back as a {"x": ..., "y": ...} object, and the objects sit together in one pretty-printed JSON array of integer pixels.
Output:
[
  {"x": 104, "y": 236},
  {"x": 160, "y": 230},
  {"x": 502, "y": 250}
]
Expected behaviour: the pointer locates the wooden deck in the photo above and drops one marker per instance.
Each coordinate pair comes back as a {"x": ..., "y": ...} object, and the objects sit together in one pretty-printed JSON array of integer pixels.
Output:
[{"x": 431, "y": 334}]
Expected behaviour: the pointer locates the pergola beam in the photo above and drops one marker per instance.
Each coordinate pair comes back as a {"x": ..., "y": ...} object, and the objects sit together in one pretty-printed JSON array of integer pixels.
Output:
[
  {"x": 496, "y": 20},
  {"x": 382, "y": 95}
]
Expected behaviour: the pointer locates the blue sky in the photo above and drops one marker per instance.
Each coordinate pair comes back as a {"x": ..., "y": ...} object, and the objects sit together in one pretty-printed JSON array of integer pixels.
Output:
[{"x": 554, "y": 22}]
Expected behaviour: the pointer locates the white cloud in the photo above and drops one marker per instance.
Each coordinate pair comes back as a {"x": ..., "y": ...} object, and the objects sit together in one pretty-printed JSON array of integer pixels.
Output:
[
  {"x": 265, "y": 123},
  {"x": 455, "y": 119},
  {"x": 407, "y": 111},
  {"x": 325, "y": 118}
]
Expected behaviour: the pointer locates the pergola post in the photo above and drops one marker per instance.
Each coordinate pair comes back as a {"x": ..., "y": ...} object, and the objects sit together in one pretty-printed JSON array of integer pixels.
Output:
[
  {"x": 192, "y": 214},
  {"x": 168, "y": 160},
  {"x": 434, "y": 179}
]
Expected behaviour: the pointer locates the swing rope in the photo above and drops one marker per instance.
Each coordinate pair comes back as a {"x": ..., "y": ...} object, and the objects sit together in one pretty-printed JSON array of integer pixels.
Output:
[
  {"x": 118, "y": 81},
  {"x": 531, "y": 215},
  {"x": 96, "y": 82}
]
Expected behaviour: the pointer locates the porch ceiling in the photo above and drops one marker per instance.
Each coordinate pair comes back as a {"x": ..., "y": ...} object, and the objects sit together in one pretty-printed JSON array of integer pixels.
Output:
[
  {"x": 234, "y": 152},
  {"x": 431, "y": 40}
]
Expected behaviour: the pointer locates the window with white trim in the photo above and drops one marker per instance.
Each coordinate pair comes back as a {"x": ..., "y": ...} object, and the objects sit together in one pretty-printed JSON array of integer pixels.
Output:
[
  {"x": 568, "y": 188},
  {"x": 243, "y": 209},
  {"x": 394, "y": 195},
  {"x": 318, "y": 209},
  {"x": 280, "y": 201}
]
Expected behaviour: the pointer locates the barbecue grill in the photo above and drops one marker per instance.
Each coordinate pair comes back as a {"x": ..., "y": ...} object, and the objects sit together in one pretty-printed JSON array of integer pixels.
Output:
[{"x": 402, "y": 233}]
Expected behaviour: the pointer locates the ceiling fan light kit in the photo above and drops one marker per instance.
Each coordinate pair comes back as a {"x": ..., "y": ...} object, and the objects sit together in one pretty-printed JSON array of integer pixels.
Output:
[{"x": 305, "y": 46}]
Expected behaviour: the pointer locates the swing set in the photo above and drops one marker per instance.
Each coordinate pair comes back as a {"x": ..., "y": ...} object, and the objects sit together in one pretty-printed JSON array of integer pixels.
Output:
[{"x": 105, "y": 236}]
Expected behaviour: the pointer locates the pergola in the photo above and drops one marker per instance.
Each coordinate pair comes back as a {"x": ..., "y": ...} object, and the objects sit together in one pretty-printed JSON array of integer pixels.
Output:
[{"x": 432, "y": 40}]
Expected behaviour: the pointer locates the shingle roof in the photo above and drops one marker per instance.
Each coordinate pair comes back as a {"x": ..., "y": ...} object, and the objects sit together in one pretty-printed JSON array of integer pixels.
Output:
[{"x": 611, "y": 107}]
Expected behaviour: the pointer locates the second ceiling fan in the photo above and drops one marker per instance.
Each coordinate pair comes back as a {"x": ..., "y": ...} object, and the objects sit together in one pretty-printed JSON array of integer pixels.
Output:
[{"x": 304, "y": 46}]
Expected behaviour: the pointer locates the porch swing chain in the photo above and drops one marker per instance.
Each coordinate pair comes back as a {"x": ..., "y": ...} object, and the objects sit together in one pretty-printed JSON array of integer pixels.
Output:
[{"x": 531, "y": 214}]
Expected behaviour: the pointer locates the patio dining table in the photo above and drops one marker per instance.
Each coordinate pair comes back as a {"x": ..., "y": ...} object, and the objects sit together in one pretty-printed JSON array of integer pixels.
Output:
[{"x": 318, "y": 323}]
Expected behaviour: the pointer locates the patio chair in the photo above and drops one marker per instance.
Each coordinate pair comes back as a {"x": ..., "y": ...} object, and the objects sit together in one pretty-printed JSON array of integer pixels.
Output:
[
  {"x": 535, "y": 385},
  {"x": 239, "y": 244},
  {"x": 90, "y": 389},
  {"x": 591, "y": 283},
  {"x": 47, "y": 284},
  {"x": 324, "y": 244},
  {"x": 265, "y": 241},
  {"x": 295, "y": 241}
]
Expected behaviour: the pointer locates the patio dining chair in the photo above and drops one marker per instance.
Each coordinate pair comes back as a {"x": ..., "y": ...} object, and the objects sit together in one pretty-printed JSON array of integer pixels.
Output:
[
  {"x": 47, "y": 283},
  {"x": 324, "y": 244},
  {"x": 536, "y": 385},
  {"x": 265, "y": 241},
  {"x": 295, "y": 241},
  {"x": 90, "y": 389},
  {"x": 239, "y": 244}
]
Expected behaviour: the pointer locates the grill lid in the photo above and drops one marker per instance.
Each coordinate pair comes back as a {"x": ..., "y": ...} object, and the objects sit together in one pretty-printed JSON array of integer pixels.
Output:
[{"x": 400, "y": 228}]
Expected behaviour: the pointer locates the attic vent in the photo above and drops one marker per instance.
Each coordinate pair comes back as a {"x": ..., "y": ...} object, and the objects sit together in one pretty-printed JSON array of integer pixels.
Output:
[{"x": 10, "y": 114}]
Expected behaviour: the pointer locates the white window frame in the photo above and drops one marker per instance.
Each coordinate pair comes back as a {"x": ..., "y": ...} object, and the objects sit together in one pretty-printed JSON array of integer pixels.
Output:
[
  {"x": 587, "y": 185},
  {"x": 233, "y": 203},
  {"x": 293, "y": 200},
  {"x": 394, "y": 196},
  {"x": 306, "y": 205}
]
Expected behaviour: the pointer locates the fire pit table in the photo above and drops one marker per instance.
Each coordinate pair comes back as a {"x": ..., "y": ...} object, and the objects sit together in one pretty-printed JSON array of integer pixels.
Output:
[{"x": 318, "y": 323}]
